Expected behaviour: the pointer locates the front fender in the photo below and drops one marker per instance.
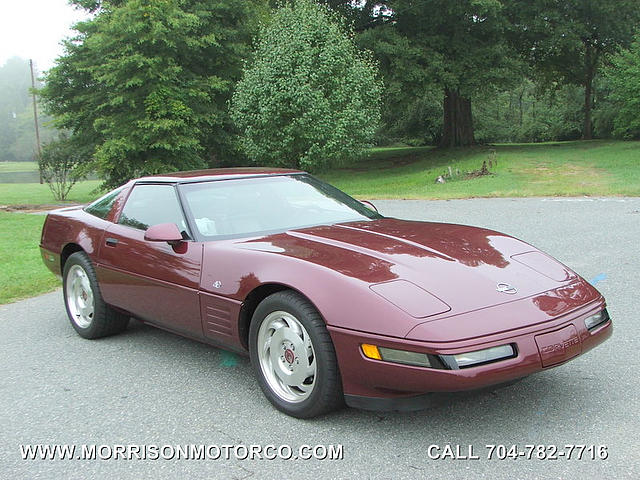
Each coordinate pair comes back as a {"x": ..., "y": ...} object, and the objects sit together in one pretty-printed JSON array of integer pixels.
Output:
[{"x": 343, "y": 301}]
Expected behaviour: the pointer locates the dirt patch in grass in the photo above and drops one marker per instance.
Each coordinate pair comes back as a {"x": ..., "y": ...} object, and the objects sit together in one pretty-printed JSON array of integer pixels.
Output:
[
  {"x": 588, "y": 174},
  {"x": 404, "y": 160},
  {"x": 383, "y": 164},
  {"x": 31, "y": 208}
]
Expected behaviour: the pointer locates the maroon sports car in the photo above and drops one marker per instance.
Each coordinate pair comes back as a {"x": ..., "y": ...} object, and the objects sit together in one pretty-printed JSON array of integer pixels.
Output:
[{"x": 332, "y": 301}]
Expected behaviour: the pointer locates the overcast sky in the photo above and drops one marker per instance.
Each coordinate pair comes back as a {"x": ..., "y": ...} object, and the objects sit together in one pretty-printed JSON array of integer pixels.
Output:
[{"x": 34, "y": 29}]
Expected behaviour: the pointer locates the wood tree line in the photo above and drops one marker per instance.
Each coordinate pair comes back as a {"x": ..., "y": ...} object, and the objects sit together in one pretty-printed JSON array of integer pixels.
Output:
[
  {"x": 468, "y": 49},
  {"x": 146, "y": 85}
]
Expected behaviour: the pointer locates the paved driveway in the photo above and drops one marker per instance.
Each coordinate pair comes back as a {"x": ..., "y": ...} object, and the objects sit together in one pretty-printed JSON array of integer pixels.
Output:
[{"x": 148, "y": 387}]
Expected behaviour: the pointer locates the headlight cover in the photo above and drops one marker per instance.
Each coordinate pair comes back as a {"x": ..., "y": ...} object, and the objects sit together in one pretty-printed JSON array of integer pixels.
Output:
[
  {"x": 410, "y": 298},
  {"x": 393, "y": 355},
  {"x": 596, "y": 320},
  {"x": 446, "y": 362},
  {"x": 480, "y": 357},
  {"x": 544, "y": 265}
]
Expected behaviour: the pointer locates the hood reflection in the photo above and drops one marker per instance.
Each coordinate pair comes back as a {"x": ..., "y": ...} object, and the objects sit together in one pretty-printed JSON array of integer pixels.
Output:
[
  {"x": 561, "y": 300},
  {"x": 468, "y": 245},
  {"x": 351, "y": 263}
]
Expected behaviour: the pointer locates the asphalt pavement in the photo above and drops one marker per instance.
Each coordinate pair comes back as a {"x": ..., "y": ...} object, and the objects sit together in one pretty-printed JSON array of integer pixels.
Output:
[{"x": 150, "y": 388}]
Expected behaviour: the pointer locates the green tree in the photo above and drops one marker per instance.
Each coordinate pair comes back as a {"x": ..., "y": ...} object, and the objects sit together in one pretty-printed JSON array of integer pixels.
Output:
[
  {"x": 412, "y": 99},
  {"x": 144, "y": 84},
  {"x": 624, "y": 81},
  {"x": 455, "y": 50},
  {"x": 567, "y": 41},
  {"x": 309, "y": 99},
  {"x": 529, "y": 113},
  {"x": 362, "y": 14}
]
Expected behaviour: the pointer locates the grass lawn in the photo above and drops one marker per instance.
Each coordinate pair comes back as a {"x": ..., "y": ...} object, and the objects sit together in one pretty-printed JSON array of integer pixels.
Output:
[
  {"x": 596, "y": 168},
  {"x": 10, "y": 167},
  {"x": 23, "y": 273},
  {"x": 36, "y": 194}
]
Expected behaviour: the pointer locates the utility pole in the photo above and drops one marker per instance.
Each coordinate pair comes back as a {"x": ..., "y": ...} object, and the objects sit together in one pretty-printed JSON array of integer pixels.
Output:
[{"x": 35, "y": 117}]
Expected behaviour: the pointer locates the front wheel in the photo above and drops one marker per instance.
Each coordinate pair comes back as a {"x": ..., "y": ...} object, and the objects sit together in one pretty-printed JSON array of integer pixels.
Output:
[
  {"x": 87, "y": 312},
  {"x": 293, "y": 356}
]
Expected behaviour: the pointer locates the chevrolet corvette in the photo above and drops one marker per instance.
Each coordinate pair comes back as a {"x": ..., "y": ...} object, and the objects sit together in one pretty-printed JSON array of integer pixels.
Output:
[{"x": 333, "y": 302}]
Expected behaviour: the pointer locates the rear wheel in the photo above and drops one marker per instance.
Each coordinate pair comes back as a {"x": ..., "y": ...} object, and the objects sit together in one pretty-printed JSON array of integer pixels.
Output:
[
  {"x": 293, "y": 356},
  {"x": 88, "y": 313}
]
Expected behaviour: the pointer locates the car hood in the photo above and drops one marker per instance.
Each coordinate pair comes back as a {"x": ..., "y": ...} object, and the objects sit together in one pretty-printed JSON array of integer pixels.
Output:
[{"x": 457, "y": 268}]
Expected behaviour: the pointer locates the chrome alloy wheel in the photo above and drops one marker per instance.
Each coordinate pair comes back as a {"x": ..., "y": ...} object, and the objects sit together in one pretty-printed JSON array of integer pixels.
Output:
[
  {"x": 79, "y": 296},
  {"x": 286, "y": 357}
]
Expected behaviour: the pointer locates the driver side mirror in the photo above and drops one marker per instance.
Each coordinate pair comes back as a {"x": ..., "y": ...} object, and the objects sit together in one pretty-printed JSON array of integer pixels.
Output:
[{"x": 164, "y": 232}]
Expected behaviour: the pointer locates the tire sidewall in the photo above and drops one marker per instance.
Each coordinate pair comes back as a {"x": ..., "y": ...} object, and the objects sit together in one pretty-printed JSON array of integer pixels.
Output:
[
  {"x": 314, "y": 404},
  {"x": 81, "y": 259}
]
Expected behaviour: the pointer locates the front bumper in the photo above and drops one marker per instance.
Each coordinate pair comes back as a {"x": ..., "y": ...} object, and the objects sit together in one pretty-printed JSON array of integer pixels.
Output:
[{"x": 379, "y": 385}]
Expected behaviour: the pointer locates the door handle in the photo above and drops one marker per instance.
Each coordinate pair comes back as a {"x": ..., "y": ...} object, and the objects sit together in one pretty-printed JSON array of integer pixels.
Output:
[{"x": 111, "y": 242}]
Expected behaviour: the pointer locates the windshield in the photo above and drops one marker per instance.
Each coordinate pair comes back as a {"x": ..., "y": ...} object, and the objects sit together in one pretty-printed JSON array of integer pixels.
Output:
[{"x": 249, "y": 206}]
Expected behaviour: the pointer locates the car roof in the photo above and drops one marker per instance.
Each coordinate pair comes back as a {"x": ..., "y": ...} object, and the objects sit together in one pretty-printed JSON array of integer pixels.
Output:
[{"x": 217, "y": 174}]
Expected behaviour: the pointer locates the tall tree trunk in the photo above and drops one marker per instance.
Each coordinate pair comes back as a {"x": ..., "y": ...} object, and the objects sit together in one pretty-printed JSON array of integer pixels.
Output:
[
  {"x": 520, "y": 107},
  {"x": 458, "y": 123},
  {"x": 590, "y": 71}
]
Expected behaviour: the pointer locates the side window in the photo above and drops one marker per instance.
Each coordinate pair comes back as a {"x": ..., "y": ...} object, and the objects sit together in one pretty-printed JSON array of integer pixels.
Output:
[
  {"x": 101, "y": 207},
  {"x": 149, "y": 205}
]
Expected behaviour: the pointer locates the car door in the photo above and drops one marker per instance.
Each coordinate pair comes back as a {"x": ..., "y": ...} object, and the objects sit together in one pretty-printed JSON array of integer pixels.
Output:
[{"x": 154, "y": 281}]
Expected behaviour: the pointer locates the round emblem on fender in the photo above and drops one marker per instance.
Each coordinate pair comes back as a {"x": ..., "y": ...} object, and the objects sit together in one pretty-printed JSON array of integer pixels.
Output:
[{"x": 506, "y": 288}]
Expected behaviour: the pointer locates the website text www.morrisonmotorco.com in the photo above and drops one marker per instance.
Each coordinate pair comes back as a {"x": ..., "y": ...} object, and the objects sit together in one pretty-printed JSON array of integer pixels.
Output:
[{"x": 180, "y": 452}]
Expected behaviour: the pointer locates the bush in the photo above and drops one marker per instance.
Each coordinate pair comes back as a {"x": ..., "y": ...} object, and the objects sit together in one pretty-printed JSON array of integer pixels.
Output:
[
  {"x": 310, "y": 99},
  {"x": 60, "y": 164}
]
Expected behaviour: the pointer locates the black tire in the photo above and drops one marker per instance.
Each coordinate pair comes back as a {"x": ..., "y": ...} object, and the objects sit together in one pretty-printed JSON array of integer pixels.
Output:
[
  {"x": 325, "y": 389},
  {"x": 87, "y": 312}
]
